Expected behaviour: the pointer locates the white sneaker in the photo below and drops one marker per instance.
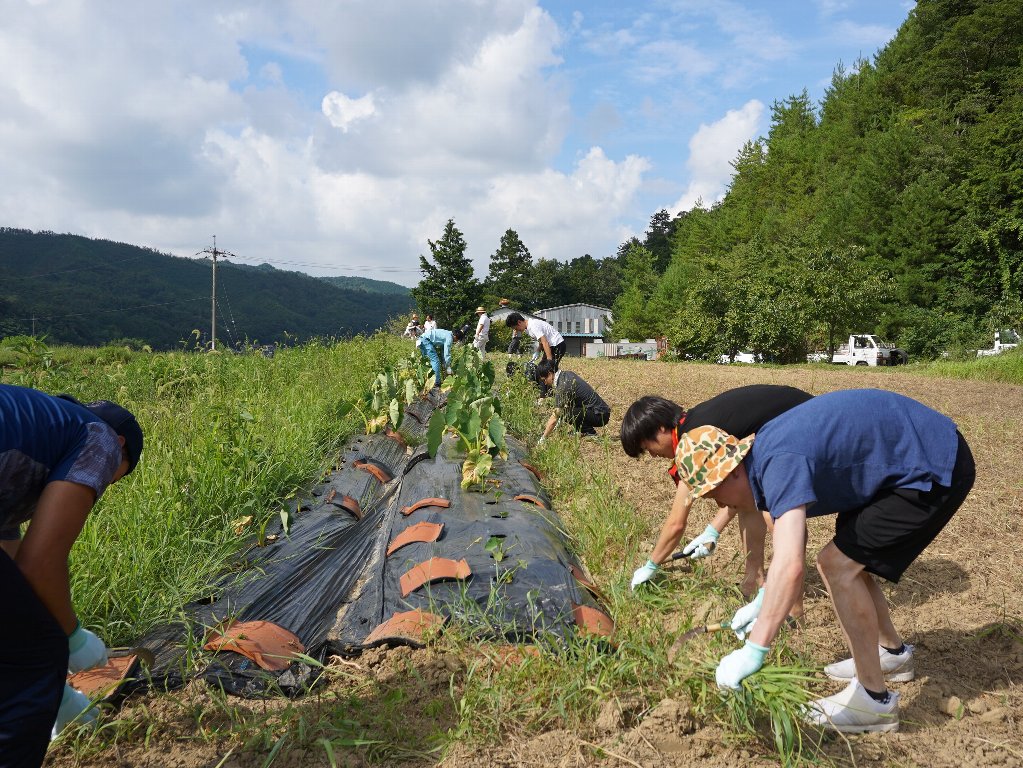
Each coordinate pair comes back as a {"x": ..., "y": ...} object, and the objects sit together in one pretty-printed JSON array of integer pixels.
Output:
[
  {"x": 896, "y": 668},
  {"x": 853, "y": 710}
]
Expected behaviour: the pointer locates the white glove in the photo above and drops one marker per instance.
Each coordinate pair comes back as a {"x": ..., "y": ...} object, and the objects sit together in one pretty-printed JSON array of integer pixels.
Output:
[
  {"x": 745, "y": 617},
  {"x": 703, "y": 545},
  {"x": 74, "y": 704},
  {"x": 643, "y": 574},
  {"x": 740, "y": 664},
  {"x": 541, "y": 440},
  {"x": 85, "y": 650}
]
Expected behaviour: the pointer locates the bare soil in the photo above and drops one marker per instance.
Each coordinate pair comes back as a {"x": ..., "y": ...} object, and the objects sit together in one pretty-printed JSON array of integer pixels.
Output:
[{"x": 960, "y": 604}]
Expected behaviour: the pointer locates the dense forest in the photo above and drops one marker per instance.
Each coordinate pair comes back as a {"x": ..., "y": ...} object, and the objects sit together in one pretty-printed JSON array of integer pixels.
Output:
[
  {"x": 75, "y": 290},
  {"x": 894, "y": 206},
  {"x": 367, "y": 284}
]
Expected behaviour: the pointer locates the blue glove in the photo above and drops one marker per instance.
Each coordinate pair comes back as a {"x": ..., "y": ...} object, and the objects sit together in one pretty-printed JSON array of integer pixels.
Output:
[
  {"x": 644, "y": 574},
  {"x": 744, "y": 618},
  {"x": 74, "y": 704},
  {"x": 85, "y": 650},
  {"x": 703, "y": 545},
  {"x": 740, "y": 664}
]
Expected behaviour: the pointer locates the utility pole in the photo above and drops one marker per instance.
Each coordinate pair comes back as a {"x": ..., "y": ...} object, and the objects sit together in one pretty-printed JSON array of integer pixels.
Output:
[{"x": 214, "y": 253}]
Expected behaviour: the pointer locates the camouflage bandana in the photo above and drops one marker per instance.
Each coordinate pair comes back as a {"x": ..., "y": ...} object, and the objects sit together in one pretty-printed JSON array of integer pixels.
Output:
[{"x": 706, "y": 455}]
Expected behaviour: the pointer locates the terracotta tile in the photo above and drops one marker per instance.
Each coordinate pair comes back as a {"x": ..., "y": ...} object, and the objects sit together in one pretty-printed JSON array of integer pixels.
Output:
[
  {"x": 430, "y": 502},
  {"x": 272, "y": 647},
  {"x": 434, "y": 569},
  {"x": 420, "y": 532},
  {"x": 408, "y": 625}
]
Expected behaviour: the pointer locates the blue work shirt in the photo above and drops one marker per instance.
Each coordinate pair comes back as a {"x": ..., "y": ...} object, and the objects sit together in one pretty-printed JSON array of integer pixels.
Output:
[
  {"x": 837, "y": 451},
  {"x": 438, "y": 336},
  {"x": 42, "y": 439}
]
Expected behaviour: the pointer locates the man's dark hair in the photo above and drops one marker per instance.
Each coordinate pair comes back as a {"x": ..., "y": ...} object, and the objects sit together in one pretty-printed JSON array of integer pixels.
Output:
[
  {"x": 644, "y": 418},
  {"x": 457, "y": 334},
  {"x": 513, "y": 319},
  {"x": 544, "y": 369}
]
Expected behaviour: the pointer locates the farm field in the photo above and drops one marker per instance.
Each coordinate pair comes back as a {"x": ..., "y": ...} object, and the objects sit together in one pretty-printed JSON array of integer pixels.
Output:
[{"x": 457, "y": 703}]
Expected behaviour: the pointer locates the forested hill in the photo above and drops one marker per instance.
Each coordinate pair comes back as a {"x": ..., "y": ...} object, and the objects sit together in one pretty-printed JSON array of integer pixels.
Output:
[
  {"x": 368, "y": 285},
  {"x": 894, "y": 206},
  {"x": 88, "y": 292}
]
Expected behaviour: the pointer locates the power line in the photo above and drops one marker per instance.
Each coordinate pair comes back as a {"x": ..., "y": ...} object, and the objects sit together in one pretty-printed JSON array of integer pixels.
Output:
[
  {"x": 366, "y": 267},
  {"x": 105, "y": 311},
  {"x": 76, "y": 269}
]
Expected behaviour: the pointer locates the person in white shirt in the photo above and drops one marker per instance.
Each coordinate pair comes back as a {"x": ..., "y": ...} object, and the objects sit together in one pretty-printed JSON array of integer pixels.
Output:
[
  {"x": 430, "y": 324},
  {"x": 482, "y": 332},
  {"x": 549, "y": 340}
]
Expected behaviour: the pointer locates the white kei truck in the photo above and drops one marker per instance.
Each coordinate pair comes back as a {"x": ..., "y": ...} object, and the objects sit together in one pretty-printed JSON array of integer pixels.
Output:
[{"x": 868, "y": 349}]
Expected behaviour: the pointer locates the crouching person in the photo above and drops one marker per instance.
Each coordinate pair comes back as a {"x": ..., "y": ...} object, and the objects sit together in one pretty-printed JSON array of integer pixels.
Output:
[
  {"x": 428, "y": 342},
  {"x": 892, "y": 472},
  {"x": 57, "y": 457},
  {"x": 575, "y": 401}
]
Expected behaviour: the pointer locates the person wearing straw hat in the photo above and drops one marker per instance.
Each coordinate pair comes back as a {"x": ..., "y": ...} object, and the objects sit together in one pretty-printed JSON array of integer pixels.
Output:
[
  {"x": 654, "y": 425},
  {"x": 482, "y": 332},
  {"x": 893, "y": 472},
  {"x": 57, "y": 457}
]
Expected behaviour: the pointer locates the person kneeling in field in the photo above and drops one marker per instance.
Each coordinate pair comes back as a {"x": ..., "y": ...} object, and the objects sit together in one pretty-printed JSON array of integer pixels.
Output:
[
  {"x": 893, "y": 472},
  {"x": 57, "y": 457},
  {"x": 654, "y": 425},
  {"x": 427, "y": 343},
  {"x": 575, "y": 401}
]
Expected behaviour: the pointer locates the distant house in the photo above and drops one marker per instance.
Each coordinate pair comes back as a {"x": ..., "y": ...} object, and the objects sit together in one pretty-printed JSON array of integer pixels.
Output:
[{"x": 578, "y": 323}]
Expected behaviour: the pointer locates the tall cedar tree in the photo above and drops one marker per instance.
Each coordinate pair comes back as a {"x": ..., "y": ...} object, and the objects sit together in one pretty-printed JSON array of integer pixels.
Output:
[
  {"x": 510, "y": 270},
  {"x": 449, "y": 289}
]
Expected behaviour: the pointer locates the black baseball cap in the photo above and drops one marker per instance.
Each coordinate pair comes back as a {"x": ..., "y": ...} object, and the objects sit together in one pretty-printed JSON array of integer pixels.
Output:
[{"x": 122, "y": 421}]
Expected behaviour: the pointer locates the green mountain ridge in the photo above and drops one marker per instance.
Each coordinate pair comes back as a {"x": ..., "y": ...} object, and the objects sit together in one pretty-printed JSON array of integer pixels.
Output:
[
  {"x": 77, "y": 290},
  {"x": 368, "y": 285}
]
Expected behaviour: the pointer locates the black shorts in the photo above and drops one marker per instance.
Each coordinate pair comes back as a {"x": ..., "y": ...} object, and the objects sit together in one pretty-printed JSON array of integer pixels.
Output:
[{"x": 890, "y": 533}]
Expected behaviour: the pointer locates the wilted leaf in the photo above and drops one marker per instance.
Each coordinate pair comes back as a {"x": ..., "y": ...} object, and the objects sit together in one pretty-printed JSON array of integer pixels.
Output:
[
  {"x": 241, "y": 524},
  {"x": 395, "y": 412}
]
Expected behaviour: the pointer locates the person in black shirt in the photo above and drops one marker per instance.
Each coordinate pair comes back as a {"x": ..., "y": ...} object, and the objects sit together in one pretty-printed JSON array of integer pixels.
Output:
[
  {"x": 575, "y": 401},
  {"x": 654, "y": 425}
]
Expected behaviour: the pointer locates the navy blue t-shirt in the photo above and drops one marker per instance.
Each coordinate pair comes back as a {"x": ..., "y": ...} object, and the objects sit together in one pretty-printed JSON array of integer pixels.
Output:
[
  {"x": 837, "y": 451},
  {"x": 42, "y": 439}
]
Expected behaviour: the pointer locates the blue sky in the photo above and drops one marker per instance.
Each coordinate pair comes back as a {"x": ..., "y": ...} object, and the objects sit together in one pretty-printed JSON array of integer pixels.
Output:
[{"x": 337, "y": 138}]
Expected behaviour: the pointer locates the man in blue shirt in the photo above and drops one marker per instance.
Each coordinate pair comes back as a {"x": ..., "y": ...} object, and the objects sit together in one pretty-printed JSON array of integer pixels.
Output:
[
  {"x": 892, "y": 471},
  {"x": 427, "y": 342},
  {"x": 57, "y": 457}
]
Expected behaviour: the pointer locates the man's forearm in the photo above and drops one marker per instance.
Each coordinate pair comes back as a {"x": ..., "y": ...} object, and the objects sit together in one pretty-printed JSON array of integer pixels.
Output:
[
  {"x": 674, "y": 527},
  {"x": 785, "y": 578}
]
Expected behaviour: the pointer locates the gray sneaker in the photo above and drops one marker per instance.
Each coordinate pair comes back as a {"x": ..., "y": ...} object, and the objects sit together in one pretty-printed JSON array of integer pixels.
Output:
[{"x": 896, "y": 668}]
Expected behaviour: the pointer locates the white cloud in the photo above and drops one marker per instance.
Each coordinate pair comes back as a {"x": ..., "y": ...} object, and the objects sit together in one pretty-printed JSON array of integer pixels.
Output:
[
  {"x": 343, "y": 111},
  {"x": 711, "y": 151}
]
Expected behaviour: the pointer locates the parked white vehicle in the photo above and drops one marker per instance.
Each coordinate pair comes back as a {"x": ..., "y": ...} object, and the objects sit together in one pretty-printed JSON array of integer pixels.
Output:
[
  {"x": 740, "y": 357},
  {"x": 868, "y": 349},
  {"x": 1004, "y": 339}
]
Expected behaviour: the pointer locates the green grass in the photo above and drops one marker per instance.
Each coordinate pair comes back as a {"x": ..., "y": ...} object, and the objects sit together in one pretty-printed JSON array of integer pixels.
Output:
[
  {"x": 569, "y": 689},
  {"x": 1006, "y": 368},
  {"x": 231, "y": 436},
  {"x": 227, "y": 437}
]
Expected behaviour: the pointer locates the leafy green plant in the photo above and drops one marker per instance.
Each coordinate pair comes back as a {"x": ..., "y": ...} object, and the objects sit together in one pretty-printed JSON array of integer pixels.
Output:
[{"x": 473, "y": 415}]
